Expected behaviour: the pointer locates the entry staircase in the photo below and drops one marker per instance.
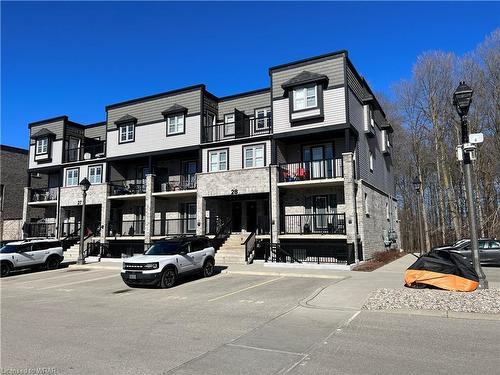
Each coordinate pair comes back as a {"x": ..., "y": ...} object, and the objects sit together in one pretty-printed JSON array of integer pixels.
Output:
[{"x": 237, "y": 249}]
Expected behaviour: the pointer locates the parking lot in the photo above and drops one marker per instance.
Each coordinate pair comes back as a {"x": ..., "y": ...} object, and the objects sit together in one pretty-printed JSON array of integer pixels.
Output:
[{"x": 86, "y": 321}]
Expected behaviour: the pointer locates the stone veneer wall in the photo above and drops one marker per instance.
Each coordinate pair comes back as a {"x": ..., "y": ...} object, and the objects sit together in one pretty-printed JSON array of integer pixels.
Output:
[{"x": 12, "y": 229}]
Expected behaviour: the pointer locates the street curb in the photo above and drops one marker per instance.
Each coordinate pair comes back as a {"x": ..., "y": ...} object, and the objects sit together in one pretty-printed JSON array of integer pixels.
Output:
[
  {"x": 284, "y": 274},
  {"x": 442, "y": 314}
]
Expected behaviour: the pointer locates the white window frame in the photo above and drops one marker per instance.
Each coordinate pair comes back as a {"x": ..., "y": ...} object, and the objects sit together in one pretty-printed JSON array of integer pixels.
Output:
[
  {"x": 303, "y": 94},
  {"x": 95, "y": 168},
  {"x": 255, "y": 162},
  {"x": 264, "y": 120},
  {"x": 229, "y": 122},
  {"x": 371, "y": 161},
  {"x": 175, "y": 124},
  {"x": 74, "y": 178},
  {"x": 218, "y": 165},
  {"x": 42, "y": 146},
  {"x": 127, "y": 130}
]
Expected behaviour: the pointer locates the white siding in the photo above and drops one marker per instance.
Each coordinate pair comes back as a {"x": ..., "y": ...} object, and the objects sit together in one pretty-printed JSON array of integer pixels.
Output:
[
  {"x": 83, "y": 171},
  {"x": 56, "y": 155},
  {"x": 334, "y": 112}
]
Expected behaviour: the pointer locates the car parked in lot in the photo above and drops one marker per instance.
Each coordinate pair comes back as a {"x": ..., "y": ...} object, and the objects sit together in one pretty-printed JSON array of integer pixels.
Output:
[
  {"x": 489, "y": 250},
  {"x": 166, "y": 260},
  {"x": 30, "y": 254}
]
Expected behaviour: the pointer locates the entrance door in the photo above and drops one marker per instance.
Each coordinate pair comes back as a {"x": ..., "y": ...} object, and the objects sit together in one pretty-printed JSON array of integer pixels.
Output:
[
  {"x": 236, "y": 217},
  {"x": 189, "y": 169},
  {"x": 251, "y": 216},
  {"x": 320, "y": 211},
  {"x": 317, "y": 164},
  {"x": 73, "y": 149},
  {"x": 190, "y": 215}
]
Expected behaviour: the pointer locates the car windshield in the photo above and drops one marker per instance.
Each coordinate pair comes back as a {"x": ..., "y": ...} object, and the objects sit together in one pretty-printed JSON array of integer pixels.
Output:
[
  {"x": 460, "y": 242},
  {"x": 7, "y": 249},
  {"x": 165, "y": 248}
]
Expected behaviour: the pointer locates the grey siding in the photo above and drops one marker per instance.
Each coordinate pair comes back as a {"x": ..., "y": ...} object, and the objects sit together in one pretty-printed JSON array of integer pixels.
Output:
[
  {"x": 96, "y": 131},
  {"x": 333, "y": 68},
  {"x": 355, "y": 85},
  {"x": 246, "y": 104},
  {"x": 150, "y": 110},
  {"x": 56, "y": 127},
  {"x": 210, "y": 104}
]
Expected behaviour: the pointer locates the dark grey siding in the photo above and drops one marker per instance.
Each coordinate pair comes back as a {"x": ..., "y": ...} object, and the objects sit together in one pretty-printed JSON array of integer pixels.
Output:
[
  {"x": 355, "y": 85},
  {"x": 210, "y": 103},
  {"x": 13, "y": 174},
  {"x": 96, "y": 131},
  {"x": 56, "y": 127},
  {"x": 150, "y": 110},
  {"x": 246, "y": 104},
  {"x": 333, "y": 68}
]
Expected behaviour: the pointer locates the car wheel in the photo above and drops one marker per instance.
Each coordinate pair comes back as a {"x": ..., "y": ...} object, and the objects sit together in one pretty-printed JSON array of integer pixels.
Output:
[
  {"x": 168, "y": 278},
  {"x": 5, "y": 269},
  {"x": 52, "y": 263},
  {"x": 208, "y": 268}
]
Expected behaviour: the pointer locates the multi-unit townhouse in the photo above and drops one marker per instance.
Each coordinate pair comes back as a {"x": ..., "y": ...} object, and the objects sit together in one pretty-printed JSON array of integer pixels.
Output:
[{"x": 305, "y": 163}]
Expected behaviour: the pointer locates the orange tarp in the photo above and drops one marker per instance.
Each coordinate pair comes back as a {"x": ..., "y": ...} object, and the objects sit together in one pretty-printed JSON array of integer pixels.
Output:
[{"x": 440, "y": 280}]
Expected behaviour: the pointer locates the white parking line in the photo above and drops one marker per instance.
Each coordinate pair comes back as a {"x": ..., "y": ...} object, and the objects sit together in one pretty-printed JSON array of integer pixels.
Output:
[
  {"x": 79, "y": 282},
  {"x": 71, "y": 273},
  {"x": 245, "y": 289}
]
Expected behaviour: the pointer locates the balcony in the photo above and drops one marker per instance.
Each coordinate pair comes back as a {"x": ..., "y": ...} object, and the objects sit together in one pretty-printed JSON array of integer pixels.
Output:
[
  {"x": 127, "y": 188},
  {"x": 179, "y": 183},
  {"x": 174, "y": 227},
  {"x": 311, "y": 170},
  {"x": 87, "y": 152},
  {"x": 247, "y": 127},
  {"x": 303, "y": 224},
  {"x": 43, "y": 195},
  {"x": 126, "y": 228},
  {"x": 40, "y": 229}
]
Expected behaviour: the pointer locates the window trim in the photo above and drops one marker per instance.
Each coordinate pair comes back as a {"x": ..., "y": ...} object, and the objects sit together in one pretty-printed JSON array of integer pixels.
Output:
[
  {"x": 226, "y": 134},
  {"x": 169, "y": 116},
  {"x": 371, "y": 162},
  {"x": 48, "y": 146},
  {"x": 77, "y": 178},
  {"x": 218, "y": 150},
  {"x": 314, "y": 117},
  {"x": 120, "y": 134},
  {"x": 94, "y": 166},
  {"x": 243, "y": 158},
  {"x": 305, "y": 87},
  {"x": 267, "y": 119}
]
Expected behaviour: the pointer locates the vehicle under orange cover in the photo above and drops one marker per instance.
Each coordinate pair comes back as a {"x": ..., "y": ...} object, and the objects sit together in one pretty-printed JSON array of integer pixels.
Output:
[{"x": 440, "y": 280}]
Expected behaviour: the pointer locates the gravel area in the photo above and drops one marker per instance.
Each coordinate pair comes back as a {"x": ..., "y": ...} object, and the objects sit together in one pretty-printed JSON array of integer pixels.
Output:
[{"x": 485, "y": 301}]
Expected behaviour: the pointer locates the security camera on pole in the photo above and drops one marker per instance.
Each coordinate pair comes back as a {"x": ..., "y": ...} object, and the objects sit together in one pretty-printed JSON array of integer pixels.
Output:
[{"x": 466, "y": 152}]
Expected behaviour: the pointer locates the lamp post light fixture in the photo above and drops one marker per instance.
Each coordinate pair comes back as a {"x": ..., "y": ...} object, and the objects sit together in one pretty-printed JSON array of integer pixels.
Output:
[
  {"x": 462, "y": 98},
  {"x": 417, "y": 184},
  {"x": 84, "y": 185}
]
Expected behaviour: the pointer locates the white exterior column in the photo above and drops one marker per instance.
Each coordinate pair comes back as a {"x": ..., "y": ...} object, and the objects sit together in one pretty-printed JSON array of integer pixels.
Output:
[
  {"x": 201, "y": 207},
  {"x": 149, "y": 210},
  {"x": 275, "y": 203},
  {"x": 350, "y": 202},
  {"x": 25, "y": 207}
]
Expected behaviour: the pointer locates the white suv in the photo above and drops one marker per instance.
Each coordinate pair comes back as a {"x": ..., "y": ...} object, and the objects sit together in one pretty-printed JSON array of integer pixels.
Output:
[
  {"x": 30, "y": 254},
  {"x": 166, "y": 260}
]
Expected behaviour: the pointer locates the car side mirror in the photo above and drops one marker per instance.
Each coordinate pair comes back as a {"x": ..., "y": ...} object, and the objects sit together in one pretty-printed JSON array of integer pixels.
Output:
[{"x": 183, "y": 252}]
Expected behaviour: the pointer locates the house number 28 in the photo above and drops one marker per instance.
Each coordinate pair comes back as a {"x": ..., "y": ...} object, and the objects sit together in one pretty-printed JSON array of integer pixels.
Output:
[{"x": 234, "y": 191}]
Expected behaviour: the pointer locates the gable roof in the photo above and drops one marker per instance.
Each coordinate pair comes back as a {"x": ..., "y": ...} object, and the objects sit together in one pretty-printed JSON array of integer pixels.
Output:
[
  {"x": 43, "y": 133},
  {"x": 126, "y": 118},
  {"x": 176, "y": 108},
  {"x": 303, "y": 78}
]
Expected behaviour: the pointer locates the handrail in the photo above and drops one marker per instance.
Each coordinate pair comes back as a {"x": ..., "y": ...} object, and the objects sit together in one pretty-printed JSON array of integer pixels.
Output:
[
  {"x": 311, "y": 170},
  {"x": 247, "y": 127},
  {"x": 249, "y": 245},
  {"x": 276, "y": 246},
  {"x": 95, "y": 151}
]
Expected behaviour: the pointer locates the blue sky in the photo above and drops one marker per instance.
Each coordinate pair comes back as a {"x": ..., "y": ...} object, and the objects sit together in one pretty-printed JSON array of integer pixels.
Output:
[{"x": 76, "y": 58}]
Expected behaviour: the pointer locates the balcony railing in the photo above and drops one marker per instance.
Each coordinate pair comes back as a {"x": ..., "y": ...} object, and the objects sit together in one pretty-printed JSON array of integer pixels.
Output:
[
  {"x": 126, "y": 228},
  {"x": 39, "y": 229},
  {"x": 174, "y": 227},
  {"x": 175, "y": 183},
  {"x": 88, "y": 152},
  {"x": 246, "y": 128},
  {"x": 313, "y": 224},
  {"x": 127, "y": 187},
  {"x": 311, "y": 170},
  {"x": 43, "y": 194}
]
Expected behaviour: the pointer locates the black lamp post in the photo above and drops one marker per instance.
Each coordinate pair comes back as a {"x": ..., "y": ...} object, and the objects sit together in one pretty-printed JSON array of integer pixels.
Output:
[
  {"x": 417, "y": 184},
  {"x": 462, "y": 98},
  {"x": 85, "y": 185}
]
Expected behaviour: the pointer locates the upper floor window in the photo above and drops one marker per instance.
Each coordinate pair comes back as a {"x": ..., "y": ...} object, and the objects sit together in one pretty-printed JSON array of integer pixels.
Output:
[
  {"x": 254, "y": 156},
  {"x": 95, "y": 174},
  {"x": 127, "y": 133},
  {"x": 72, "y": 177},
  {"x": 262, "y": 119},
  {"x": 175, "y": 124},
  {"x": 229, "y": 124},
  {"x": 371, "y": 162},
  {"x": 305, "y": 97},
  {"x": 42, "y": 146},
  {"x": 217, "y": 160}
]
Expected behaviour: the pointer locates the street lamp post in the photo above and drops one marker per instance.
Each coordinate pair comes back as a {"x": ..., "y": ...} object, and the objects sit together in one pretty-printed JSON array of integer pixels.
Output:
[
  {"x": 85, "y": 185},
  {"x": 462, "y": 98},
  {"x": 417, "y": 184}
]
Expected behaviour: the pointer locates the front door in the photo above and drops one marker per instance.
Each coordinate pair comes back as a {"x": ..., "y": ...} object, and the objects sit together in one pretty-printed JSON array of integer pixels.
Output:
[
  {"x": 236, "y": 217},
  {"x": 190, "y": 215},
  {"x": 251, "y": 216},
  {"x": 320, "y": 211}
]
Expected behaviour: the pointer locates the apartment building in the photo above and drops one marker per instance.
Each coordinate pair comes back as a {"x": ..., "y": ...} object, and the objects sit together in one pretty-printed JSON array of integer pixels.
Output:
[{"x": 305, "y": 163}]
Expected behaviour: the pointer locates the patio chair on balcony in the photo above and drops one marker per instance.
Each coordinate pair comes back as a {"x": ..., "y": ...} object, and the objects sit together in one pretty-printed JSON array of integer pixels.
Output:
[{"x": 301, "y": 174}]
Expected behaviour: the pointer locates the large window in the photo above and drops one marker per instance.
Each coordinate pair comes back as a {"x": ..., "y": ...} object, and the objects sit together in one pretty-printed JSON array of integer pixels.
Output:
[
  {"x": 262, "y": 119},
  {"x": 127, "y": 133},
  {"x": 95, "y": 174},
  {"x": 42, "y": 146},
  {"x": 217, "y": 160},
  {"x": 72, "y": 177},
  {"x": 305, "y": 97},
  {"x": 229, "y": 124},
  {"x": 254, "y": 156},
  {"x": 175, "y": 124}
]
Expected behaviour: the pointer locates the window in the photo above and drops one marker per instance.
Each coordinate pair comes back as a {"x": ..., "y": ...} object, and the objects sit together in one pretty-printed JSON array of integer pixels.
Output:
[
  {"x": 229, "y": 124},
  {"x": 367, "y": 210},
  {"x": 217, "y": 160},
  {"x": 254, "y": 156},
  {"x": 95, "y": 174},
  {"x": 387, "y": 212},
  {"x": 305, "y": 97},
  {"x": 262, "y": 119},
  {"x": 42, "y": 146},
  {"x": 175, "y": 124},
  {"x": 127, "y": 133},
  {"x": 72, "y": 177},
  {"x": 371, "y": 162}
]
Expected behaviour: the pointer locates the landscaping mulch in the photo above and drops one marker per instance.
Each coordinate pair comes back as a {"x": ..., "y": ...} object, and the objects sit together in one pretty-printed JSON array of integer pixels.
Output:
[{"x": 380, "y": 258}]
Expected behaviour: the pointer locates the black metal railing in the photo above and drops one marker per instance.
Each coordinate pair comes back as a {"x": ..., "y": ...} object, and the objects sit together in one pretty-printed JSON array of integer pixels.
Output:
[
  {"x": 127, "y": 187},
  {"x": 247, "y": 127},
  {"x": 43, "y": 194},
  {"x": 86, "y": 152},
  {"x": 39, "y": 229},
  {"x": 174, "y": 183},
  {"x": 174, "y": 227},
  {"x": 126, "y": 228},
  {"x": 220, "y": 227},
  {"x": 311, "y": 170},
  {"x": 249, "y": 247},
  {"x": 308, "y": 253},
  {"x": 313, "y": 224}
]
